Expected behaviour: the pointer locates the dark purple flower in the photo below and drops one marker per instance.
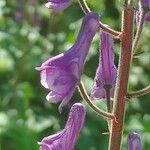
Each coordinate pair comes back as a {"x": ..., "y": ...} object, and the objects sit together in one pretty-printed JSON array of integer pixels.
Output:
[
  {"x": 146, "y": 19},
  {"x": 145, "y": 3},
  {"x": 58, "y": 5},
  {"x": 65, "y": 139},
  {"x": 134, "y": 142},
  {"x": 106, "y": 72},
  {"x": 61, "y": 74}
]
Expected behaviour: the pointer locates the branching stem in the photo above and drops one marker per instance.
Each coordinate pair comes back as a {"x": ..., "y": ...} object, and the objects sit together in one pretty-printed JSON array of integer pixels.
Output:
[
  {"x": 138, "y": 93},
  {"x": 122, "y": 79}
]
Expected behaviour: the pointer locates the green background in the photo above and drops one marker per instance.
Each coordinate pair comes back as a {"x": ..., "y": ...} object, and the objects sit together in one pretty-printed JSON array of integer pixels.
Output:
[{"x": 30, "y": 34}]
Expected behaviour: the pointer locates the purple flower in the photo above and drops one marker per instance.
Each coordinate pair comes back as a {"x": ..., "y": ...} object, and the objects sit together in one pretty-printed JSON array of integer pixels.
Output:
[
  {"x": 145, "y": 3},
  {"x": 106, "y": 72},
  {"x": 134, "y": 142},
  {"x": 65, "y": 139},
  {"x": 58, "y": 5},
  {"x": 61, "y": 74},
  {"x": 146, "y": 19}
]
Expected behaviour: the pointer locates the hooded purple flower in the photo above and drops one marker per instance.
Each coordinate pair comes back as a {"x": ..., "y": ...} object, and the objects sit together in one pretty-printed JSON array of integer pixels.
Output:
[
  {"x": 106, "y": 72},
  {"x": 134, "y": 142},
  {"x": 58, "y": 5},
  {"x": 61, "y": 74},
  {"x": 65, "y": 139}
]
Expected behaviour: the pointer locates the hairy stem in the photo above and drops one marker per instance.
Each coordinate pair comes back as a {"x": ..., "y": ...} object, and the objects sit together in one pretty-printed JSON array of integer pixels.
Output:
[
  {"x": 122, "y": 79},
  {"x": 84, "y": 6},
  {"x": 111, "y": 32},
  {"x": 94, "y": 107},
  {"x": 138, "y": 93}
]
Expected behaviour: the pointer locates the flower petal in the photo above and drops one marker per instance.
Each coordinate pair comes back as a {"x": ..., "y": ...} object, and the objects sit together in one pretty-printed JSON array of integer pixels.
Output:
[
  {"x": 57, "y": 6},
  {"x": 54, "y": 97},
  {"x": 65, "y": 139}
]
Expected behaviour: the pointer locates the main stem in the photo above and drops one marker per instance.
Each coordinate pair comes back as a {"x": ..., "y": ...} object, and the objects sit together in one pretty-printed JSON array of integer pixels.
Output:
[{"x": 122, "y": 80}]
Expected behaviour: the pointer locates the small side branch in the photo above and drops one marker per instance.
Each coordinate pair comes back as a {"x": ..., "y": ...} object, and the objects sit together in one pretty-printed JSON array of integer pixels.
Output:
[
  {"x": 138, "y": 93},
  {"x": 84, "y": 6},
  {"x": 111, "y": 32},
  {"x": 90, "y": 103}
]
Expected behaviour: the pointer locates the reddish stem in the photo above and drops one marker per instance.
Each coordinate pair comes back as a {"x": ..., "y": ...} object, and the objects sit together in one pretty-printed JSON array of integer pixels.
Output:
[{"x": 122, "y": 80}]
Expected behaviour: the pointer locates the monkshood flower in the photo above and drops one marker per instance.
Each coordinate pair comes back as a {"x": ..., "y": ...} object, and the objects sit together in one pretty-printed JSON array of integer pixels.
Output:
[
  {"x": 134, "y": 142},
  {"x": 106, "y": 72},
  {"x": 57, "y": 5},
  {"x": 65, "y": 139},
  {"x": 61, "y": 74}
]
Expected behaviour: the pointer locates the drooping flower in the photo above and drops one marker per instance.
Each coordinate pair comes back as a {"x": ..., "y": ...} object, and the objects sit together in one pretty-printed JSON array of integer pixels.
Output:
[
  {"x": 65, "y": 139},
  {"x": 62, "y": 73},
  {"x": 106, "y": 72},
  {"x": 58, "y": 5},
  {"x": 134, "y": 142}
]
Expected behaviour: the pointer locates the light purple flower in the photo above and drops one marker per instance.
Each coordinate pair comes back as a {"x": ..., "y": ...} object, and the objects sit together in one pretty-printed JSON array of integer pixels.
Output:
[
  {"x": 134, "y": 142},
  {"x": 58, "y": 5},
  {"x": 106, "y": 72},
  {"x": 145, "y": 3},
  {"x": 62, "y": 73},
  {"x": 65, "y": 139}
]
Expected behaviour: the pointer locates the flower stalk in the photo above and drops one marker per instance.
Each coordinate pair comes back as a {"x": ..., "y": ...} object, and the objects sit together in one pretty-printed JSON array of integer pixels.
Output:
[
  {"x": 138, "y": 93},
  {"x": 122, "y": 79},
  {"x": 91, "y": 105}
]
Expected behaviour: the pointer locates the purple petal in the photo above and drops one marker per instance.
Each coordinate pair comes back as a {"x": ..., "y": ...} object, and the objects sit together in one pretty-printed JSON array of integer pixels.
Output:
[
  {"x": 134, "y": 142},
  {"x": 54, "y": 97},
  {"x": 145, "y": 3},
  {"x": 65, "y": 139},
  {"x": 106, "y": 72},
  {"x": 61, "y": 74},
  {"x": 58, "y": 5}
]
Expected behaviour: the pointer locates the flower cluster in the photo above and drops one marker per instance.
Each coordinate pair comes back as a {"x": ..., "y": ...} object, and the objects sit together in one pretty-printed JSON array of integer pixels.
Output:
[{"x": 61, "y": 74}]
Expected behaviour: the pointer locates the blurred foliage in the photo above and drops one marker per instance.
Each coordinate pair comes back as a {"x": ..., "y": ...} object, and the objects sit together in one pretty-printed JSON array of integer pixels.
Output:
[{"x": 29, "y": 34}]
